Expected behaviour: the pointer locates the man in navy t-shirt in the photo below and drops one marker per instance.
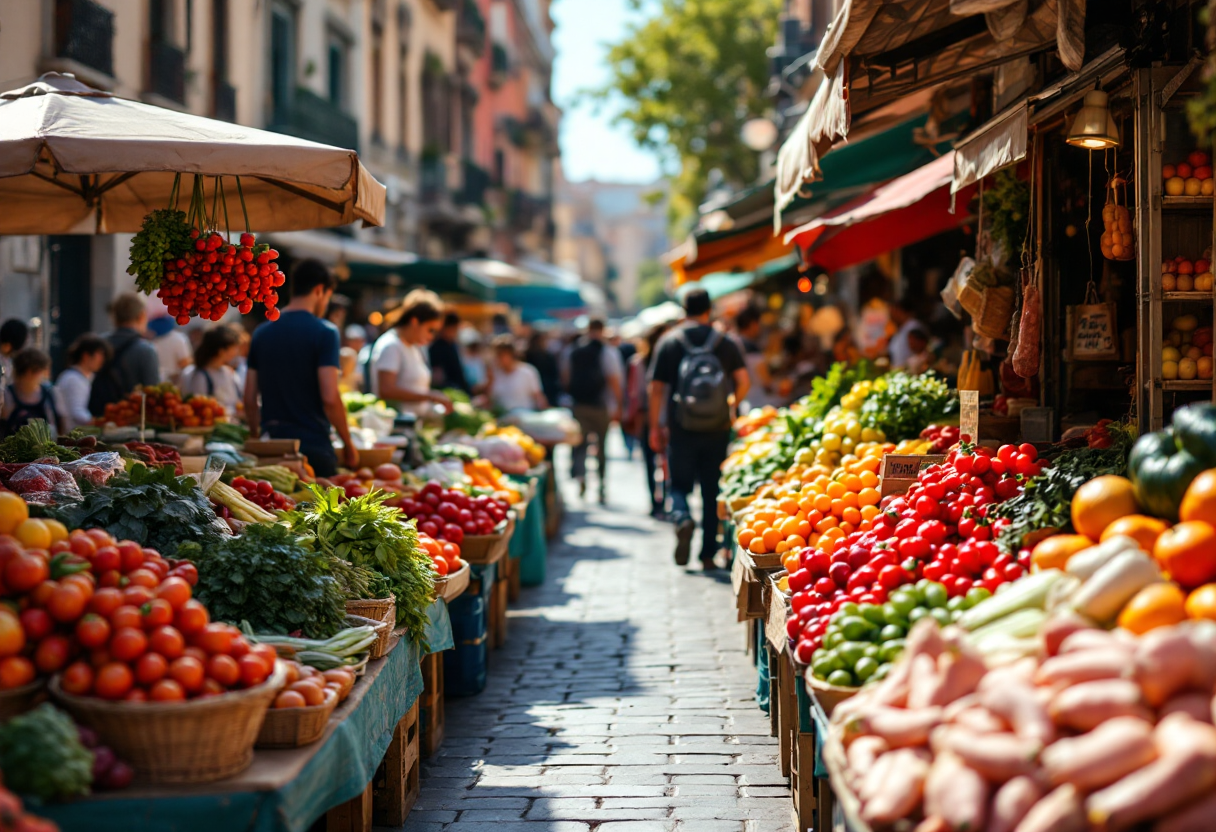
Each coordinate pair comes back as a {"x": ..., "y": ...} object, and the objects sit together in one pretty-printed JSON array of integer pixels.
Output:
[{"x": 293, "y": 363}]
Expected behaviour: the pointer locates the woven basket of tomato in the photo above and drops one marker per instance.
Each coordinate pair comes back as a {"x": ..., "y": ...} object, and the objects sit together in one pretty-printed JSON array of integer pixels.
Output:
[
  {"x": 302, "y": 709},
  {"x": 185, "y": 741},
  {"x": 453, "y": 584},
  {"x": 488, "y": 548}
]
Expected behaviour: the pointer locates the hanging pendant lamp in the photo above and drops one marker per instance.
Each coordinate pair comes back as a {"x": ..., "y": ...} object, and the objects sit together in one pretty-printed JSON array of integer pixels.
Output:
[{"x": 1094, "y": 127}]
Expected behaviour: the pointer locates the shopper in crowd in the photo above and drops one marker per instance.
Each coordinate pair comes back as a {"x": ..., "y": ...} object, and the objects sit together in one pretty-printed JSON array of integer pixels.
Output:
[
  {"x": 627, "y": 350},
  {"x": 212, "y": 374},
  {"x": 636, "y": 421},
  {"x": 30, "y": 394},
  {"x": 338, "y": 311},
  {"x": 904, "y": 322},
  {"x": 516, "y": 385},
  {"x": 477, "y": 370},
  {"x": 13, "y": 335},
  {"x": 446, "y": 368},
  {"x": 542, "y": 358},
  {"x": 594, "y": 378},
  {"x": 695, "y": 371},
  {"x": 87, "y": 355},
  {"x": 293, "y": 365},
  {"x": 133, "y": 362},
  {"x": 400, "y": 374},
  {"x": 920, "y": 357},
  {"x": 747, "y": 325},
  {"x": 350, "y": 369},
  {"x": 173, "y": 347}
]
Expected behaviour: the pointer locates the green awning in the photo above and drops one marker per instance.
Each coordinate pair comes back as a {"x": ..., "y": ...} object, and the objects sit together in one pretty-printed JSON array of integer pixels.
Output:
[{"x": 445, "y": 277}]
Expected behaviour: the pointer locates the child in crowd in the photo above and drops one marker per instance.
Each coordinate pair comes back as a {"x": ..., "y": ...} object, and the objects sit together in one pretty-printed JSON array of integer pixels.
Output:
[
  {"x": 211, "y": 375},
  {"x": 88, "y": 354},
  {"x": 30, "y": 394}
]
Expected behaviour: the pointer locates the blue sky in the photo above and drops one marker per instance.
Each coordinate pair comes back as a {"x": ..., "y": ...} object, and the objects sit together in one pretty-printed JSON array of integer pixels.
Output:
[{"x": 591, "y": 147}]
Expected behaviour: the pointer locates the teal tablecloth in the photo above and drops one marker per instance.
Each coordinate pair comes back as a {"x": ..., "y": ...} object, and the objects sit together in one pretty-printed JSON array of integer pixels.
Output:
[
  {"x": 528, "y": 544},
  {"x": 263, "y": 799}
]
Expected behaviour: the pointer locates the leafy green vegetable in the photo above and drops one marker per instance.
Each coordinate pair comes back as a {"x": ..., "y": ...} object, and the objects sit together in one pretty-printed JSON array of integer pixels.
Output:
[
  {"x": 1046, "y": 500},
  {"x": 148, "y": 505},
  {"x": 266, "y": 577},
  {"x": 901, "y": 406},
  {"x": 230, "y": 432},
  {"x": 1007, "y": 205},
  {"x": 366, "y": 532},
  {"x": 33, "y": 441},
  {"x": 42, "y": 756},
  {"x": 466, "y": 418}
]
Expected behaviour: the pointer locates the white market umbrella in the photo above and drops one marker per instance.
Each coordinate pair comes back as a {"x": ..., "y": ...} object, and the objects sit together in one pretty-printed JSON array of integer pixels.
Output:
[{"x": 77, "y": 160}]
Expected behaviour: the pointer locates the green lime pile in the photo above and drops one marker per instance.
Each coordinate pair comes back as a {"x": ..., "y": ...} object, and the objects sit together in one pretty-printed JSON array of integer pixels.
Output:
[{"x": 862, "y": 640}]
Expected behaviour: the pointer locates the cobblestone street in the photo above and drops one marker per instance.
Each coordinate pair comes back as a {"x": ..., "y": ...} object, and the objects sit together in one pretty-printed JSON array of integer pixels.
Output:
[{"x": 623, "y": 700}]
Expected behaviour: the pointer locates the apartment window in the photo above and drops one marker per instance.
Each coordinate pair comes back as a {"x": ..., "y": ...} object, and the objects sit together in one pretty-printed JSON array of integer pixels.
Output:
[
  {"x": 336, "y": 55},
  {"x": 282, "y": 60},
  {"x": 403, "y": 106},
  {"x": 166, "y": 60},
  {"x": 223, "y": 94}
]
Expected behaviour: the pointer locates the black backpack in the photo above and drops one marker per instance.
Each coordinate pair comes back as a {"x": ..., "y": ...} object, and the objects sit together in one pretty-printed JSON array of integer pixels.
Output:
[
  {"x": 109, "y": 385},
  {"x": 703, "y": 391},
  {"x": 587, "y": 381}
]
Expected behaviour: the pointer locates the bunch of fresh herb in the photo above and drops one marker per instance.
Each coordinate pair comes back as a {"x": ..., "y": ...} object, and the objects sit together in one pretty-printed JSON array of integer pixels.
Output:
[
  {"x": 268, "y": 578},
  {"x": 901, "y": 406},
  {"x": 1007, "y": 210},
  {"x": 150, "y": 506},
  {"x": 366, "y": 532},
  {"x": 42, "y": 756},
  {"x": 33, "y": 441}
]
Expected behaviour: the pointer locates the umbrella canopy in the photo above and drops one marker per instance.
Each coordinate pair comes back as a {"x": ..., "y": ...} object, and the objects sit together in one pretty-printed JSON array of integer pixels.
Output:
[{"x": 76, "y": 160}]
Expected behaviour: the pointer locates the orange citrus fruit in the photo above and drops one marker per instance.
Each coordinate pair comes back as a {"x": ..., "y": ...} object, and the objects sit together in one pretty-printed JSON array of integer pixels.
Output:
[
  {"x": 1139, "y": 527},
  {"x": 1053, "y": 552},
  {"x": 1100, "y": 502},
  {"x": 13, "y": 512},
  {"x": 1157, "y": 605},
  {"x": 34, "y": 534}
]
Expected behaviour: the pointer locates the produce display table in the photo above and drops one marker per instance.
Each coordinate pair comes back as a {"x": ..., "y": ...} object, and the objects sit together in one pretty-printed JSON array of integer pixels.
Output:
[
  {"x": 283, "y": 790},
  {"x": 464, "y": 666}
]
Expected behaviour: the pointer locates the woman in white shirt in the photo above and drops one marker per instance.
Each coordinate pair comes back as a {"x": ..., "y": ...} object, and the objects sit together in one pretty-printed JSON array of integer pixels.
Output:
[
  {"x": 211, "y": 373},
  {"x": 516, "y": 385},
  {"x": 88, "y": 354},
  {"x": 400, "y": 373}
]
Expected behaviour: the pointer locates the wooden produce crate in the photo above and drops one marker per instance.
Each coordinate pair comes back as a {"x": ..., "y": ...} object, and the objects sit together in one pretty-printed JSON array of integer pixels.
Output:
[
  {"x": 431, "y": 713},
  {"x": 778, "y": 615},
  {"x": 802, "y": 782},
  {"x": 393, "y": 790},
  {"x": 749, "y": 581},
  {"x": 499, "y": 598},
  {"x": 784, "y": 701}
]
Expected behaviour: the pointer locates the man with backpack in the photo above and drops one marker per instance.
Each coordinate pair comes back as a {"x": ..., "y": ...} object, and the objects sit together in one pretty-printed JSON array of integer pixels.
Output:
[
  {"x": 695, "y": 371},
  {"x": 594, "y": 380},
  {"x": 133, "y": 360}
]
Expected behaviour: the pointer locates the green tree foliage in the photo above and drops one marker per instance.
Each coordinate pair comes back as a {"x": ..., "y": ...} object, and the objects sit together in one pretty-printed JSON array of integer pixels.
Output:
[
  {"x": 652, "y": 283},
  {"x": 690, "y": 76}
]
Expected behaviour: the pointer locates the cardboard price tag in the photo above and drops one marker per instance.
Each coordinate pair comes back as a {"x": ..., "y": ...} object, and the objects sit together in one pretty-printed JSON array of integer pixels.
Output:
[
  {"x": 899, "y": 471},
  {"x": 969, "y": 414}
]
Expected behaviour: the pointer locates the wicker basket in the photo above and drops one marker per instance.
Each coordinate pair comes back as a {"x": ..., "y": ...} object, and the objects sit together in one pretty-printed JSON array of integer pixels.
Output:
[
  {"x": 294, "y": 727},
  {"x": 453, "y": 584},
  {"x": 990, "y": 307},
  {"x": 17, "y": 701},
  {"x": 179, "y": 742},
  {"x": 377, "y": 609},
  {"x": 384, "y": 629},
  {"x": 486, "y": 548}
]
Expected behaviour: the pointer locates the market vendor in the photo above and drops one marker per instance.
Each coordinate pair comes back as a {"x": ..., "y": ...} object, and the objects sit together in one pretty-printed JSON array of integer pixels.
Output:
[
  {"x": 293, "y": 364},
  {"x": 400, "y": 373}
]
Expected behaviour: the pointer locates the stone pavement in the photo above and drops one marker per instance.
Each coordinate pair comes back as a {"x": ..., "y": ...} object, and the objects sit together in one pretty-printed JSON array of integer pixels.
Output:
[{"x": 623, "y": 700}]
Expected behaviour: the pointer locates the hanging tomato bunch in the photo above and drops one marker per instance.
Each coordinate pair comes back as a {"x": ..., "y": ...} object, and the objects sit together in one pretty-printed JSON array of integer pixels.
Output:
[
  {"x": 196, "y": 270},
  {"x": 216, "y": 274}
]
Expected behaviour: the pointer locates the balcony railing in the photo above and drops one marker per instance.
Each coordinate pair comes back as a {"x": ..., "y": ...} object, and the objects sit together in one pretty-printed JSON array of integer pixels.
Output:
[
  {"x": 476, "y": 183},
  {"x": 84, "y": 32},
  {"x": 432, "y": 178},
  {"x": 224, "y": 101},
  {"x": 167, "y": 71},
  {"x": 309, "y": 116},
  {"x": 471, "y": 27}
]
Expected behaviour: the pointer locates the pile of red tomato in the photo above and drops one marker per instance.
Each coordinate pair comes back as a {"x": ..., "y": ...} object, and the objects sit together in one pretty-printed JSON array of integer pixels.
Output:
[
  {"x": 445, "y": 555},
  {"x": 448, "y": 515},
  {"x": 939, "y": 530},
  {"x": 262, "y": 493},
  {"x": 216, "y": 274},
  {"x": 117, "y": 621}
]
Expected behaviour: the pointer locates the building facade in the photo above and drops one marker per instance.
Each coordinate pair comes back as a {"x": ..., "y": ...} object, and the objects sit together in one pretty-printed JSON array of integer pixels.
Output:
[{"x": 418, "y": 87}]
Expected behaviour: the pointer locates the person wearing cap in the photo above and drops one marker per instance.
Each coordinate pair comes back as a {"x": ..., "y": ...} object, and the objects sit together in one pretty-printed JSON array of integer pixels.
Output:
[{"x": 696, "y": 436}]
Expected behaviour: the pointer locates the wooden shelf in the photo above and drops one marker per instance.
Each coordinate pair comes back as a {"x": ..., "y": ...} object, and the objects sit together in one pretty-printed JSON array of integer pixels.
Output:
[
  {"x": 1187, "y": 296},
  {"x": 1186, "y": 203},
  {"x": 1179, "y": 385}
]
